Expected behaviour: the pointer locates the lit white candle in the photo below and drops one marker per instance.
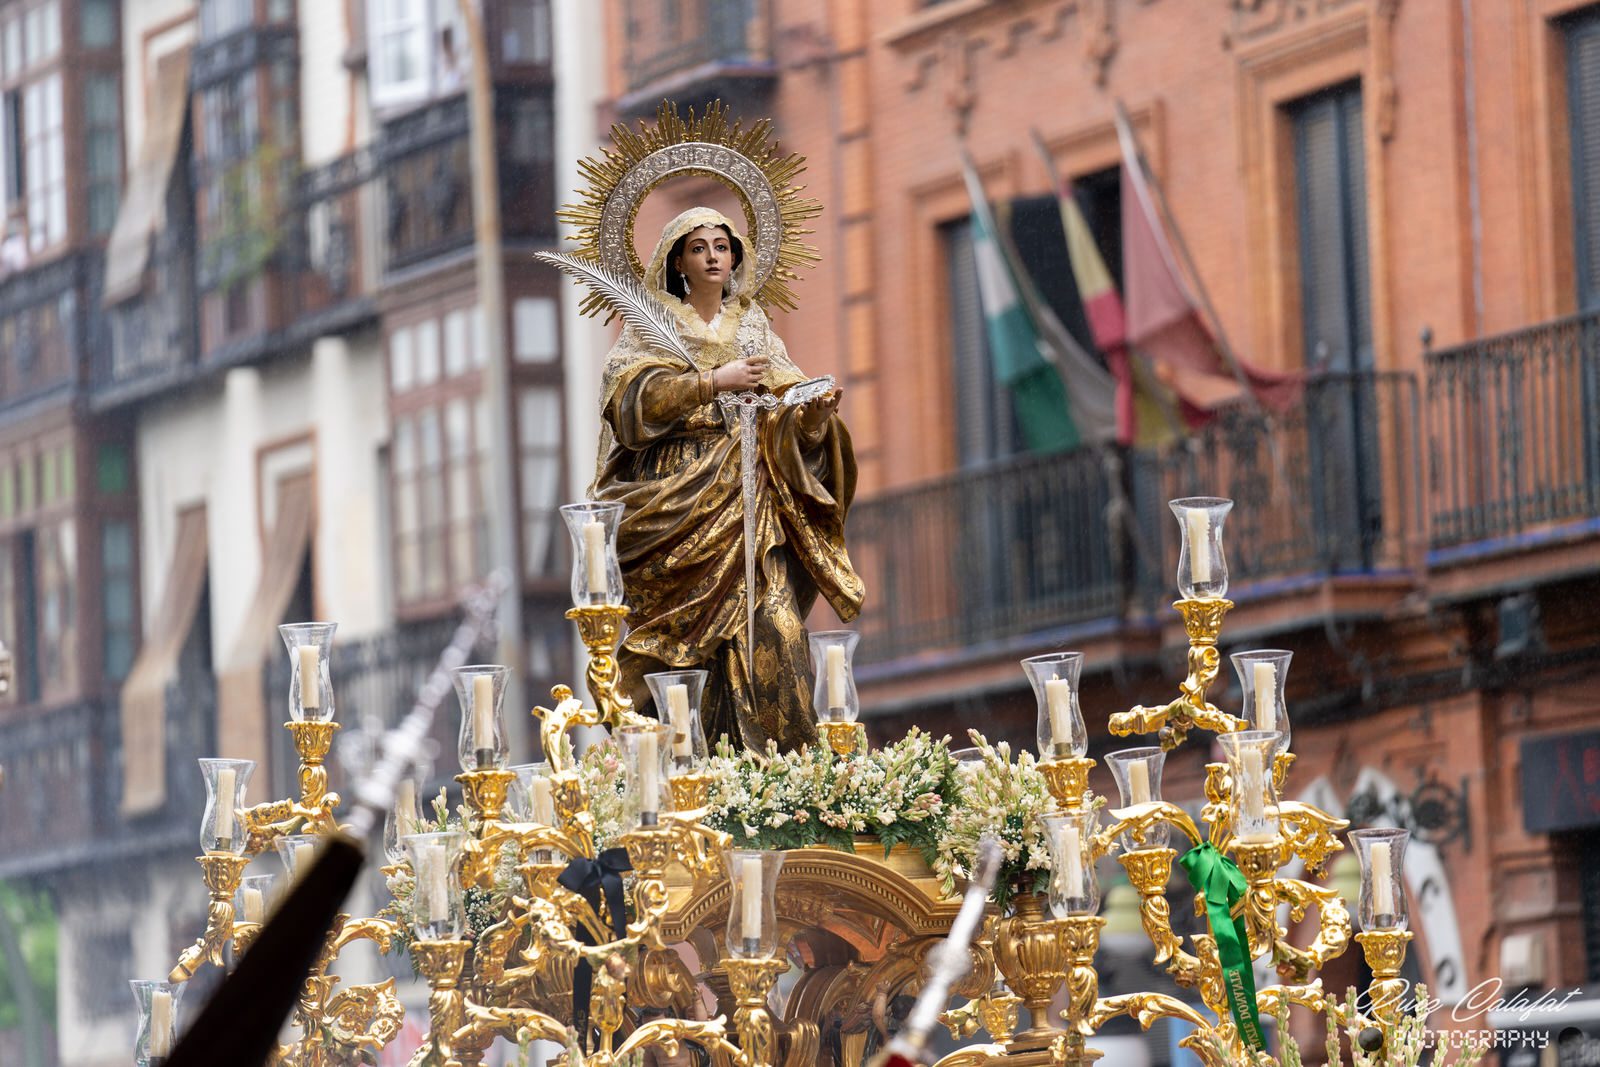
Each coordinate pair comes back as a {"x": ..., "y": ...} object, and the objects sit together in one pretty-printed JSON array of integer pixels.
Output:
[
  {"x": 436, "y": 895},
  {"x": 678, "y": 713},
  {"x": 1265, "y": 676},
  {"x": 1072, "y": 857},
  {"x": 160, "y": 1023},
  {"x": 483, "y": 711},
  {"x": 222, "y": 815},
  {"x": 310, "y": 678},
  {"x": 1198, "y": 527},
  {"x": 303, "y": 851},
  {"x": 1138, "y": 782},
  {"x": 255, "y": 905},
  {"x": 649, "y": 775},
  {"x": 1252, "y": 798},
  {"x": 750, "y": 915},
  {"x": 836, "y": 688},
  {"x": 543, "y": 802},
  {"x": 1058, "y": 699},
  {"x": 594, "y": 554},
  {"x": 1378, "y": 859}
]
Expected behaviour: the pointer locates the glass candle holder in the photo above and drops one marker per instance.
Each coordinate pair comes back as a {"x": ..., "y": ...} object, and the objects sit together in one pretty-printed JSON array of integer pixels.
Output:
[
  {"x": 1202, "y": 567},
  {"x": 1252, "y": 802},
  {"x": 753, "y": 908},
  {"x": 482, "y": 743},
  {"x": 221, "y": 829},
  {"x": 404, "y": 817},
  {"x": 438, "y": 912},
  {"x": 1138, "y": 775},
  {"x": 834, "y": 697},
  {"x": 298, "y": 852},
  {"x": 1074, "y": 889},
  {"x": 596, "y": 574},
  {"x": 532, "y": 799},
  {"x": 677, "y": 695},
  {"x": 253, "y": 903},
  {"x": 1382, "y": 851},
  {"x": 158, "y": 1020},
  {"x": 646, "y": 752},
  {"x": 1262, "y": 675},
  {"x": 1054, "y": 677},
  {"x": 310, "y": 691}
]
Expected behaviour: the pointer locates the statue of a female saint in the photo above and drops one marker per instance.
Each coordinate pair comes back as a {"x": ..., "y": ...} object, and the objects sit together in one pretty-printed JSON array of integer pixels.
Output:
[{"x": 673, "y": 455}]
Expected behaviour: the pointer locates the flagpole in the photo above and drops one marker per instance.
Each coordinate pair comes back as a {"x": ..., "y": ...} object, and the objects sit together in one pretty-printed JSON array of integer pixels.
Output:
[{"x": 1126, "y": 133}]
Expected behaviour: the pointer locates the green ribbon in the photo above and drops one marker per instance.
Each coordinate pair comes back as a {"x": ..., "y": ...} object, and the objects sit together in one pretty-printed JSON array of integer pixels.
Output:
[{"x": 1219, "y": 878}]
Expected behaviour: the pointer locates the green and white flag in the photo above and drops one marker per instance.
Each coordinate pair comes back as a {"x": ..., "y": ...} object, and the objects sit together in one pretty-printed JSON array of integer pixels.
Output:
[{"x": 1019, "y": 359}]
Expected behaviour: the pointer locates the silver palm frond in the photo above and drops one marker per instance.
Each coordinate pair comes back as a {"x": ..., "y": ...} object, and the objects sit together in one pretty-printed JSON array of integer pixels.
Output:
[{"x": 650, "y": 321}]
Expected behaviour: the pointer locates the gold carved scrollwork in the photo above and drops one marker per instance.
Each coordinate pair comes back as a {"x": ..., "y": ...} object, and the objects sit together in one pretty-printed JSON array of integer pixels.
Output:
[{"x": 1202, "y": 618}]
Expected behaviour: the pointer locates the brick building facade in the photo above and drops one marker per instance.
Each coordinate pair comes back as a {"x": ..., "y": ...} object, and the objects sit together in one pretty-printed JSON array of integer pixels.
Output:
[{"x": 1397, "y": 198}]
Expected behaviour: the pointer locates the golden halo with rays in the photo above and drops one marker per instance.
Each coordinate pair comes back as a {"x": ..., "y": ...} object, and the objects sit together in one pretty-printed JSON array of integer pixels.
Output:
[{"x": 746, "y": 161}]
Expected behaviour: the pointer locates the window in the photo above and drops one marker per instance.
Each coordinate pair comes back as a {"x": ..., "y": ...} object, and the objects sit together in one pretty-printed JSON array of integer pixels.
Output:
[
  {"x": 97, "y": 22},
  {"x": 539, "y": 448},
  {"x": 8, "y": 617},
  {"x": 438, "y": 456},
  {"x": 33, "y": 140},
  {"x": 56, "y": 546},
  {"x": 117, "y": 604},
  {"x": 399, "y": 50},
  {"x": 535, "y": 330},
  {"x": 1330, "y": 176},
  {"x": 1336, "y": 325},
  {"x": 526, "y": 37},
  {"x": 218, "y": 18},
  {"x": 103, "y": 140},
  {"x": 419, "y": 50},
  {"x": 1583, "y": 107}
]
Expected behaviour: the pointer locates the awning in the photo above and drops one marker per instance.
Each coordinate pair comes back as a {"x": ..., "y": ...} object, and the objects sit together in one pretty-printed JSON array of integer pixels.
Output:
[
  {"x": 144, "y": 694},
  {"x": 241, "y": 703},
  {"x": 143, "y": 210}
]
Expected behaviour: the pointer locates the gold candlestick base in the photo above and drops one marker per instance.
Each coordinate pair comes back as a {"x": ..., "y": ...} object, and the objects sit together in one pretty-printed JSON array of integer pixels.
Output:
[
  {"x": 751, "y": 983},
  {"x": 689, "y": 791},
  {"x": 844, "y": 738},
  {"x": 649, "y": 851},
  {"x": 1202, "y": 622},
  {"x": 1385, "y": 951},
  {"x": 221, "y": 871},
  {"x": 1258, "y": 862},
  {"x": 1027, "y": 949},
  {"x": 1080, "y": 940},
  {"x": 1068, "y": 779},
  {"x": 312, "y": 740},
  {"x": 485, "y": 790},
  {"x": 441, "y": 963},
  {"x": 600, "y": 628}
]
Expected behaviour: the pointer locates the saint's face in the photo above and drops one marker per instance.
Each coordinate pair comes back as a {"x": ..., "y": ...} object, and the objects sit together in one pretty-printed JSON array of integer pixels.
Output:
[{"x": 707, "y": 259}]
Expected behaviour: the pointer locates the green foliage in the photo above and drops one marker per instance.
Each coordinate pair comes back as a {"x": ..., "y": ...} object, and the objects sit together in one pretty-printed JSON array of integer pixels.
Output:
[{"x": 32, "y": 915}]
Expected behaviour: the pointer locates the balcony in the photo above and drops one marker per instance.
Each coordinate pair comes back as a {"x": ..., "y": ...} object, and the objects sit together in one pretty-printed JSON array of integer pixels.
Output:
[
  {"x": 995, "y": 558},
  {"x": 697, "y": 51},
  {"x": 1514, "y": 441}
]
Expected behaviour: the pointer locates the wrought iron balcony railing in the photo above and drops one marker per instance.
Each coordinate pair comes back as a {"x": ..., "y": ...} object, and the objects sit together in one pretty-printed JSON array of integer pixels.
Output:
[
  {"x": 695, "y": 50},
  {"x": 1038, "y": 543},
  {"x": 1330, "y": 487},
  {"x": 1514, "y": 434}
]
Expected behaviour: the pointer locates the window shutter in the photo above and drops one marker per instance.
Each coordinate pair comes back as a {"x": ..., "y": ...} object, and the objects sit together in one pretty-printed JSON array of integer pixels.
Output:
[
  {"x": 1583, "y": 105},
  {"x": 1330, "y": 172}
]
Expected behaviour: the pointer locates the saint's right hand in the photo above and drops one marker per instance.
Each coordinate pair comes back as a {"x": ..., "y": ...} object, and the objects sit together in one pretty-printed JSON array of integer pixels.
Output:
[{"x": 739, "y": 374}]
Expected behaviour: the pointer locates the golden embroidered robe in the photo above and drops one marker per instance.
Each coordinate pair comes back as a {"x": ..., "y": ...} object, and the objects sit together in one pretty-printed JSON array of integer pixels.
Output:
[{"x": 674, "y": 463}]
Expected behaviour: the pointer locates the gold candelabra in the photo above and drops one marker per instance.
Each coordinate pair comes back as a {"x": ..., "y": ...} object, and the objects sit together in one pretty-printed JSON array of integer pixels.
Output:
[{"x": 571, "y": 955}]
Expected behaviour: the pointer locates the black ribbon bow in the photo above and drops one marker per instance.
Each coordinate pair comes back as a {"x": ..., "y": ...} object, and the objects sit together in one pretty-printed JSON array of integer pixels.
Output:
[{"x": 589, "y": 878}]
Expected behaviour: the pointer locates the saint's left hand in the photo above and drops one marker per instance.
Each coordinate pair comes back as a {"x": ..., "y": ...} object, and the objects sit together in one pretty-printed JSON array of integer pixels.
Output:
[{"x": 816, "y": 412}]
